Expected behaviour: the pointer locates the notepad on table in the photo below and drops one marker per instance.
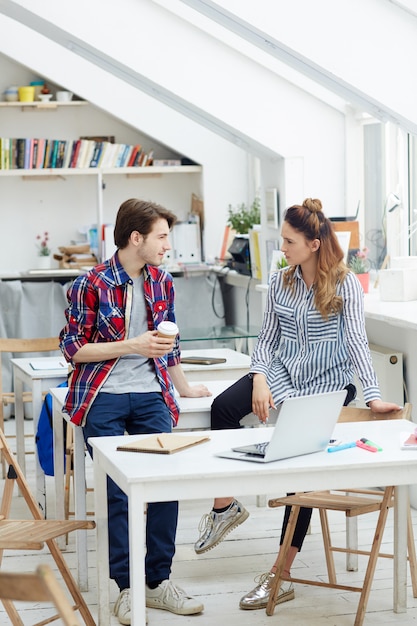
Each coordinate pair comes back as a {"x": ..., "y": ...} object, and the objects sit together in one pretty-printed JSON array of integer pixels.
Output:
[
  {"x": 49, "y": 364},
  {"x": 163, "y": 443}
]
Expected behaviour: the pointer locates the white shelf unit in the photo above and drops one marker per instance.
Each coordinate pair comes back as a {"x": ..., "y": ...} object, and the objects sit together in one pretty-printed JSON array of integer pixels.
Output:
[
  {"x": 149, "y": 182},
  {"x": 49, "y": 106}
]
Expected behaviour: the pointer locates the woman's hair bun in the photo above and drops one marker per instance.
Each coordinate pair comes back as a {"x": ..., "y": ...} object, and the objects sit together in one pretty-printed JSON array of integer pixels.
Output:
[{"x": 315, "y": 206}]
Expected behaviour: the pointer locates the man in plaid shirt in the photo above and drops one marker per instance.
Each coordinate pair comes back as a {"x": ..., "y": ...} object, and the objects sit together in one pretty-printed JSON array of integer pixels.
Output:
[{"x": 123, "y": 380}]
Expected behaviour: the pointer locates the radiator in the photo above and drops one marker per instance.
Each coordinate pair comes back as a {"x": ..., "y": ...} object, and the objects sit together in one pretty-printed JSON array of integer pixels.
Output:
[{"x": 388, "y": 365}]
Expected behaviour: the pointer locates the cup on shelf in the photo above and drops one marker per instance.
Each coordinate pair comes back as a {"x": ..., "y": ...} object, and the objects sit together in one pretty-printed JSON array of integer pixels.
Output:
[
  {"x": 11, "y": 94},
  {"x": 27, "y": 93},
  {"x": 64, "y": 96},
  {"x": 45, "y": 97}
]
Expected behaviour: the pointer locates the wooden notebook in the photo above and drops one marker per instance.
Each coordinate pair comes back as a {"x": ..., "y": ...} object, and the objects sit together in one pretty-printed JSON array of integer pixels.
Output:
[{"x": 164, "y": 443}]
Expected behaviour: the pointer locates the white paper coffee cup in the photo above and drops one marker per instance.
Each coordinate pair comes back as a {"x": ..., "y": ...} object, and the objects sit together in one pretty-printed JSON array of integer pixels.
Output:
[{"x": 168, "y": 330}]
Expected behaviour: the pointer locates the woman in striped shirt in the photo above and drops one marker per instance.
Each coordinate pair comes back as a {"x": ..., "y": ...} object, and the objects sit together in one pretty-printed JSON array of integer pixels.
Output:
[{"x": 312, "y": 340}]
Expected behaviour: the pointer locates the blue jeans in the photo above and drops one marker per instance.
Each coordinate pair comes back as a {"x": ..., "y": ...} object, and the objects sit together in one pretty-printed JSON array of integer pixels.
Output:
[{"x": 134, "y": 413}]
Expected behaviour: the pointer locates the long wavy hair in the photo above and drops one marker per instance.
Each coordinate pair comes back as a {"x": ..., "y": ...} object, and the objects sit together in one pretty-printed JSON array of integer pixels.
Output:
[{"x": 310, "y": 221}]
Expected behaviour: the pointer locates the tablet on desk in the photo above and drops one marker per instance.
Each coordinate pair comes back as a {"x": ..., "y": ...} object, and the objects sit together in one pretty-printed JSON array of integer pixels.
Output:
[{"x": 202, "y": 360}]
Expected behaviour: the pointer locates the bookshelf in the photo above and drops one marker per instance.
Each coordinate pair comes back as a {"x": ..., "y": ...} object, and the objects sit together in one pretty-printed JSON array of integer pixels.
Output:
[{"x": 35, "y": 201}]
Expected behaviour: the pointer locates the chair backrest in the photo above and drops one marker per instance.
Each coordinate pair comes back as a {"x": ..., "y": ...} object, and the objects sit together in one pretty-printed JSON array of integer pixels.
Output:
[
  {"x": 15, "y": 473},
  {"x": 22, "y": 346},
  {"x": 354, "y": 414},
  {"x": 40, "y": 586}
]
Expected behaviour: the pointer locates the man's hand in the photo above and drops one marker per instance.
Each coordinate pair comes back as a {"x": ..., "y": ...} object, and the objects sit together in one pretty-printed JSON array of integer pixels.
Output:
[
  {"x": 196, "y": 391},
  {"x": 151, "y": 345}
]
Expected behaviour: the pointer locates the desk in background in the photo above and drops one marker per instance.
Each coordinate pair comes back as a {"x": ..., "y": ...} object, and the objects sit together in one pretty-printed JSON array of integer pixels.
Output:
[
  {"x": 196, "y": 473},
  {"x": 237, "y": 365},
  {"x": 37, "y": 381},
  {"x": 244, "y": 339}
]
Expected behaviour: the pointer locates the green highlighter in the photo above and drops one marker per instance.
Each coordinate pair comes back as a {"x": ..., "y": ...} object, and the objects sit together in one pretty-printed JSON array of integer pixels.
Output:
[{"x": 371, "y": 443}]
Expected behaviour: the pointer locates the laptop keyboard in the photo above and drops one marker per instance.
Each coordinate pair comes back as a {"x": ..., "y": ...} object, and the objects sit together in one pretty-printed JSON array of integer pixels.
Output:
[{"x": 261, "y": 447}]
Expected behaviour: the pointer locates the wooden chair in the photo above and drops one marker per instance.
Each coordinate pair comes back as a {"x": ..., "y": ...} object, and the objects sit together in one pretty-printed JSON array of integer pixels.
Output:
[
  {"x": 352, "y": 503},
  {"x": 41, "y": 586},
  {"x": 35, "y": 532},
  {"x": 20, "y": 346}
]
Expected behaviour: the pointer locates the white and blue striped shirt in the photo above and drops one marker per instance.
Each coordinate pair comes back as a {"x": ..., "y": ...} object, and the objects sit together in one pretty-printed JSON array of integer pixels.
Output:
[{"x": 301, "y": 353}]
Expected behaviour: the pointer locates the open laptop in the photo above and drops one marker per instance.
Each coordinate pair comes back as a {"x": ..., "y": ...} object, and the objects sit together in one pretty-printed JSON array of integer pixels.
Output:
[{"x": 304, "y": 425}]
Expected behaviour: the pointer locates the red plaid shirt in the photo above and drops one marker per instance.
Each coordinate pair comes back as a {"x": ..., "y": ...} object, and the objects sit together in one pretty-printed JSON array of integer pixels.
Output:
[{"x": 97, "y": 313}]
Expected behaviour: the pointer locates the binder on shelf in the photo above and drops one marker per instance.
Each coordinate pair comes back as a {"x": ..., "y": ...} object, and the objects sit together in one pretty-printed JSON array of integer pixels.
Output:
[{"x": 108, "y": 245}]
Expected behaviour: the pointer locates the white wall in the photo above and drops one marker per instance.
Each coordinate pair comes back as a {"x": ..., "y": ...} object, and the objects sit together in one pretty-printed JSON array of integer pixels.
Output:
[{"x": 249, "y": 101}]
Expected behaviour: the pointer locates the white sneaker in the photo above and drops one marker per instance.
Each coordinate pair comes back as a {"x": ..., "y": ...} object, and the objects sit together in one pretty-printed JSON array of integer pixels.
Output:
[
  {"x": 122, "y": 608},
  {"x": 169, "y": 597}
]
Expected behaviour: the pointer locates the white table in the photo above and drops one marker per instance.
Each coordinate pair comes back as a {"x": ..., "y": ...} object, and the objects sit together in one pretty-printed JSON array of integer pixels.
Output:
[
  {"x": 196, "y": 473},
  {"x": 37, "y": 381},
  {"x": 194, "y": 413},
  {"x": 237, "y": 365}
]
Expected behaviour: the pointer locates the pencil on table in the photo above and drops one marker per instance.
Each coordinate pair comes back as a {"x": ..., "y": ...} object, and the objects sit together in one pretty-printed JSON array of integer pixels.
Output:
[{"x": 161, "y": 443}]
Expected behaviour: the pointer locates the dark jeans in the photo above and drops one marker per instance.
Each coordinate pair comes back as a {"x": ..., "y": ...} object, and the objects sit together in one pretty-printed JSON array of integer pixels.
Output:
[
  {"x": 134, "y": 413},
  {"x": 226, "y": 412}
]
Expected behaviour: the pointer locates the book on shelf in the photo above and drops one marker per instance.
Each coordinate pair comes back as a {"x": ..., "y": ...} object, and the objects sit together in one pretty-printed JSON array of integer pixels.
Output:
[
  {"x": 34, "y": 153},
  {"x": 135, "y": 149},
  {"x": 88, "y": 153},
  {"x": 41, "y": 153},
  {"x": 74, "y": 152},
  {"x": 13, "y": 153},
  {"x": 60, "y": 153},
  {"x": 166, "y": 162},
  {"x": 54, "y": 153},
  {"x": 120, "y": 153},
  {"x": 68, "y": 154},
  {"x": 48, "y": 146},
  {"x": 81, "y": 153},
  {"x": 5, "y": 153},
  {"x": 126, "y": 156},
  {"x": 27, "y": 153},
  {"x": 95, "y": 159},
  {"x": 106, "y": 145},
  {"x": 20, "y": 150},
  {"x": 84, "y": 148}
]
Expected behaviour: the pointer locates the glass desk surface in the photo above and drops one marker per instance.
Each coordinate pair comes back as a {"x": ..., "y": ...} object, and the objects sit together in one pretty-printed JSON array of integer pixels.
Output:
[{"x": 218, "y": 332}]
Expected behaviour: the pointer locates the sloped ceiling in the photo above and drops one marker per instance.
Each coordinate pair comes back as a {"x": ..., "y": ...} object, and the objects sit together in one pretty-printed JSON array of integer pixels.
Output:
[{"x": 214, "y": 62}]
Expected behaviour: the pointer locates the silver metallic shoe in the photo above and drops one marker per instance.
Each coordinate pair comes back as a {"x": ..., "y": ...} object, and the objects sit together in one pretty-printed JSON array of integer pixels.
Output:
[
  {"x": 259, "y": 596},
  {"x": 214, "y": 526}
]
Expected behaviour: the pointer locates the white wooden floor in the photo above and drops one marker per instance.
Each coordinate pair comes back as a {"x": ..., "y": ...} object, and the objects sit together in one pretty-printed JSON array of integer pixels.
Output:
[{"x": 223, "y": 575}]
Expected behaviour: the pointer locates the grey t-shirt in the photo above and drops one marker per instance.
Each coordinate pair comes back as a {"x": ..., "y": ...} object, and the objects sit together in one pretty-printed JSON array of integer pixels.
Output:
[{"x": 134, "y": 373}]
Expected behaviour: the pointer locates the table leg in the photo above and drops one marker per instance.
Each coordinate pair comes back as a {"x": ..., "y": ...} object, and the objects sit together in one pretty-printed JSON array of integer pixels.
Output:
[
  {"x": 40, "y": 476},
  {"x": 137, "y": 533},
  {"x": 102, "y": 551},
  {"x": 400, "y": 549},
  {"x": 80, "y": 506},
  {"x": 19, "y": 420},
  {"x": 58, "y": 439}
]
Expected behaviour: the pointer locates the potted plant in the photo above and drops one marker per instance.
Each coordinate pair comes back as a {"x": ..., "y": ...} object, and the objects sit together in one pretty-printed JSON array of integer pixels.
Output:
[
  {"x": 360, "y": 265},
  {"x": 44, "y": 251},
  {"x": 242, "y": 218}
]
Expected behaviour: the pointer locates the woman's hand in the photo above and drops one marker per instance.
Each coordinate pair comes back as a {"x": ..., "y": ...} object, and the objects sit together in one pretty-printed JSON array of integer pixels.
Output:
[
  {"x": 378, "y": 406},
  {"x": 262, "y": 399}
]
